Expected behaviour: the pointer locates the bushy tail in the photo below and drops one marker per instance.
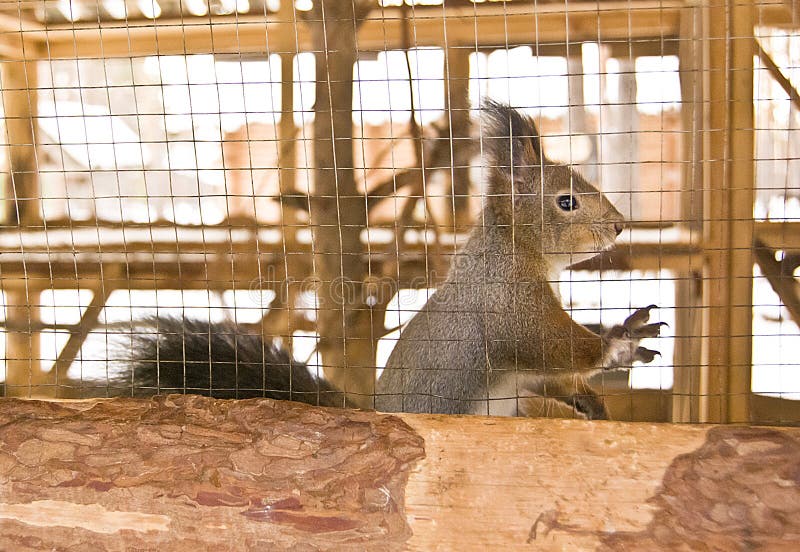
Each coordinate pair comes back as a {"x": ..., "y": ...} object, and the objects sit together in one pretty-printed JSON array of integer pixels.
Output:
[{"x": 222, "y": 360}]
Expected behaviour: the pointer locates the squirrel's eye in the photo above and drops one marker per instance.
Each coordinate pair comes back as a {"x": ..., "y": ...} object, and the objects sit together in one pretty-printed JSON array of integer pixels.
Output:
[{"x": 567, "y": 202}]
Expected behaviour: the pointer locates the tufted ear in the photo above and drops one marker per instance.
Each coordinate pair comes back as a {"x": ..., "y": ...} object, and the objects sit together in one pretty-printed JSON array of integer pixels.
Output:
[{"x": 511, "y": 139}]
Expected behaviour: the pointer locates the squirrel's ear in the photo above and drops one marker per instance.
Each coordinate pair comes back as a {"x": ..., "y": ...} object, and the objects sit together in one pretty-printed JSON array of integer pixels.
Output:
[{"x": 511, "y": 138}]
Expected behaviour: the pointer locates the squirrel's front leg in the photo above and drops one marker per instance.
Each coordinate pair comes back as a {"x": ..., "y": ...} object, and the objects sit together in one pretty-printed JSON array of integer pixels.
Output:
[{"x": 621, "y": 342}]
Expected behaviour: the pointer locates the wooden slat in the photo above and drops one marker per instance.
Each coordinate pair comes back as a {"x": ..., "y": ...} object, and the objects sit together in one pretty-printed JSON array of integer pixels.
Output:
[{"x": 19, "y": 84}]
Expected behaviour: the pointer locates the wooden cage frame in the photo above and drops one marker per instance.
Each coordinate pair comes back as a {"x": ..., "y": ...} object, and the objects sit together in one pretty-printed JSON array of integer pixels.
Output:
[{"x": 715, "y": 44}]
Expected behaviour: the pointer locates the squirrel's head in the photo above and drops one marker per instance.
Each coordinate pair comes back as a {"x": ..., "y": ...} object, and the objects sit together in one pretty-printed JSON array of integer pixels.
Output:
[{"x": 552, "y": 208}]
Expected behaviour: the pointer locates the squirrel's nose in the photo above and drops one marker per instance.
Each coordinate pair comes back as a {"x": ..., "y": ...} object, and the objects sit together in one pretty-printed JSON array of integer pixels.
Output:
[{"x": 619, "y": 227}]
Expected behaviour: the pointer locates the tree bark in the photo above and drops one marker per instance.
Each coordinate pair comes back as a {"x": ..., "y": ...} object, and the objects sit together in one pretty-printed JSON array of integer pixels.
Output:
[{"x": 184, "y": 472}]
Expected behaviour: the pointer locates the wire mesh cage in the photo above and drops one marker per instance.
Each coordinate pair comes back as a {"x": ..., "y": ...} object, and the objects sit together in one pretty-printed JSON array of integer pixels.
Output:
[{"x": 258, "y": 198}]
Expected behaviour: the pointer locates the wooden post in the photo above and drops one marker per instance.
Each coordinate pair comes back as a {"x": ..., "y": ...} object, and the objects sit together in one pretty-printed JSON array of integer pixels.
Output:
[
  {"x": 619, "y": 143},
  {"x": 278, "y": 321},
  {"x": 287, "y": 135},
  {"x": 456, "y": 102},
  {"x": 688, "y": 285},
  {"x": 729, "y": 179},
  {"x": 338, "y": 211},
  {"x": 577, "y": 124},
  {"x": 19, "y": 82},
  {"x": 23, "y": 346}
]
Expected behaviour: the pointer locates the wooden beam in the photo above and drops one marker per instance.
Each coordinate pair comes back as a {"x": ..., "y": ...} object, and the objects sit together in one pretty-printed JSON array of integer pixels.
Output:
[
  {"x": 10, "y": 24},
  {"x": 777, "y": 74},
  {"x": 793, "y": 7},
  {"x": 512, "y": 24},
  {"x": 485, "y": 24},
  {"x": 784, "y": 236},
  {"x": 785, "y": 285},
  {"x": 88, "y": 322},
  {"x": 728, "y": 218},
  {"x": 170, "y": 472}
]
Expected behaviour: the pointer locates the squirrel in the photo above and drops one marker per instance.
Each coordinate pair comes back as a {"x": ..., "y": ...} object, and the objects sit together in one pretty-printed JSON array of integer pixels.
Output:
[{"x": 494, "y": 332}]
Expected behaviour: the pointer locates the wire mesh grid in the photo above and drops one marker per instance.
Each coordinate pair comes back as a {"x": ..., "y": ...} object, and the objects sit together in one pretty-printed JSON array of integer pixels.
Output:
[{"x": 255, "y": 198}]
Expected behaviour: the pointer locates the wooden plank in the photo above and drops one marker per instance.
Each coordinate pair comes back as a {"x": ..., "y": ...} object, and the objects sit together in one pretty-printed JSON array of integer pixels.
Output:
[
  {"x": 10, "y": 24},
  {"x": 171, "y": 472},
  {"x": 499, "y": 25},
  {"x": 728, "y": 217}
]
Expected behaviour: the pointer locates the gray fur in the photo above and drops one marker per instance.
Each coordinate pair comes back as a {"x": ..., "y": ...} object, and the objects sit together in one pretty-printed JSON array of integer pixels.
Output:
[
  {"x": 485, "y": 337},
  {"x": 222, "y": 360}
]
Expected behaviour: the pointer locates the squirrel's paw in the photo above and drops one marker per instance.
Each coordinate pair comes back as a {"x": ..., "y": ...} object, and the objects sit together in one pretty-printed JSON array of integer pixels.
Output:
[{"x": 622, "y": 341}]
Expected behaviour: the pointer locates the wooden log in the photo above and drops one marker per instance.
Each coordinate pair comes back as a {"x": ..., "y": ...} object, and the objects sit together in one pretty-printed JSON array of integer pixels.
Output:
[
  {"x": 573, "y": 485},
  {"x": 185, "y": 472},
  {"x": 191, "y": 473}
]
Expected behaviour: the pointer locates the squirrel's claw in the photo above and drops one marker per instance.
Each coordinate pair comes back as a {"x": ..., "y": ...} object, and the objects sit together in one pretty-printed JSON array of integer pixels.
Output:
[
  {"x": 645, "y": 355},
  {"x": 639, "y": 317},
  {"x": 648, "y": 330}
]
